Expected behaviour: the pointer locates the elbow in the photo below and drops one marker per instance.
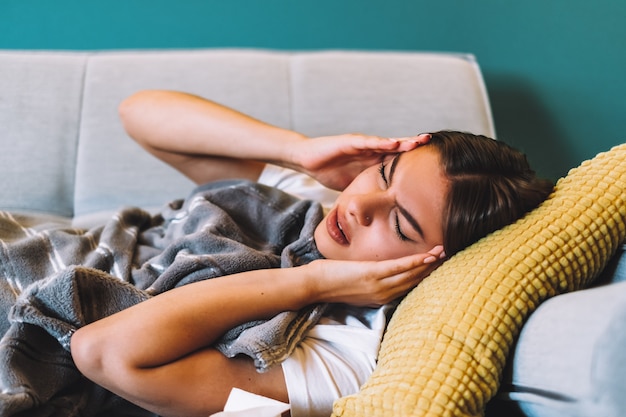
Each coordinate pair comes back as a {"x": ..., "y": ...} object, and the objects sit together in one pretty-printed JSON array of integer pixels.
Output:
[
  {"x": 100, "y": 360},
  {"x": 142, "y": 116},
  {"x": 130, "y": 112},
  {"x": 140, "y": 112},
  {"x": 87, "y": 353},
  {"x": 98, "y": 357},
  {"x": 125, "y": 108},
  {"x": 131, "y": 104}
]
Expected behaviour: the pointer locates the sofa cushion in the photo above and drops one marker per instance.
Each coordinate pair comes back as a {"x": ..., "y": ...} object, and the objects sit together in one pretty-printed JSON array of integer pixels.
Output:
[
  {"x": 316, "y": 93},
  {"x": 40, "y": 101},
  {"x": 65, "y": 151},
  {"x": 388, "y": 93},
  {"x": 448, "y": 341},
  {"x": 586, "y": 378},
  {"x": 113, "y": 171}
]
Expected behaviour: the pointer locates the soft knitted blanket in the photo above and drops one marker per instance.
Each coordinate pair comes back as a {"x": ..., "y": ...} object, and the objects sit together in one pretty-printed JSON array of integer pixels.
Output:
[{"x": 54, "y": 279}]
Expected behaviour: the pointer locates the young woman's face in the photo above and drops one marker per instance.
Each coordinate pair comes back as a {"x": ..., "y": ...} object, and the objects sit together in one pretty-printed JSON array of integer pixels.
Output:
[{"x": 390, "y": 210}]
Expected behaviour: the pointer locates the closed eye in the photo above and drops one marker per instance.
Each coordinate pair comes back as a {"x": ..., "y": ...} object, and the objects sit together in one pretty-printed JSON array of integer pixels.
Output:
[
  {"x": 381, "y": 171},
  {"x": 401, "y": 235},
  {"x": 383, "y": 175}
]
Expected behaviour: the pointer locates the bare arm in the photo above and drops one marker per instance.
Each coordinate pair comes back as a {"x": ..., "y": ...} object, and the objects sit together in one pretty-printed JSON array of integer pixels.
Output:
[
  {"x": 161, "y": 119},
  {"x": 202, "y": 139},
  {"x": 208, "y": 141},
  {"x": 157, "y": 354}
]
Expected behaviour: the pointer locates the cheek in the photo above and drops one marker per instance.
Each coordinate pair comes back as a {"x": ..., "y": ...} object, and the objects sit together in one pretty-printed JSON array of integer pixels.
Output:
[
  {"x": 380, "y": 244},
  {"x": 393, "y": 250},
  {"x": 366, "y": 181}
]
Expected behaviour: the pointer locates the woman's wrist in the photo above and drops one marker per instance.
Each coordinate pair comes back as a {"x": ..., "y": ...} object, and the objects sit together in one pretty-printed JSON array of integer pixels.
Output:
[
  {"x": 287, "y": 154},
  {"x": 315, "y": 287}
]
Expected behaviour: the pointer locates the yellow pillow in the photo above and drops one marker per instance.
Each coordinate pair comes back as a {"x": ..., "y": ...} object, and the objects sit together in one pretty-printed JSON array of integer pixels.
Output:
[{"x": 448, "y": 341}]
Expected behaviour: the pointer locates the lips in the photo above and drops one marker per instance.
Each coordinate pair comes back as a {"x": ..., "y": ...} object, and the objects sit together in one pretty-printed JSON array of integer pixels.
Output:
[{"x": 334, "y": 229}]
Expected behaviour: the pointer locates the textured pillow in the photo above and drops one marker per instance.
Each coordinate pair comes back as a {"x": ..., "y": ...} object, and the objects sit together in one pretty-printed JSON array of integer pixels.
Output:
[{"x": 448, "y": 341}]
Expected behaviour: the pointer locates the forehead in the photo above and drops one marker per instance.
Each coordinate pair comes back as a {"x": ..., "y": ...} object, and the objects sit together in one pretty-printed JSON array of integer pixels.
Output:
[
  {"x": 423, "y": 163},
  {"x": 422, "y": 189}
]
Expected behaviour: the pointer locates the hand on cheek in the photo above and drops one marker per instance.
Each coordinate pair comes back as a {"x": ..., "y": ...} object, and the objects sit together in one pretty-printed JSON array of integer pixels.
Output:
[{"x": 371, "y": 283}]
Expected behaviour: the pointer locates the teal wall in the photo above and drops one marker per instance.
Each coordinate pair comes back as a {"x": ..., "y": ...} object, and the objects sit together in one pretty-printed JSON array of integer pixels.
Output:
[{"x": 555, "y": 69}]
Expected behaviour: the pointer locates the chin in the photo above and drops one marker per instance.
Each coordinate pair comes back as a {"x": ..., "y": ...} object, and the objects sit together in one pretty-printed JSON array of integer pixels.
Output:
[
  {"x": 330, "y": 250},
  {"x": 326, "y": 249},
  {"x": 321, "y": 243}
]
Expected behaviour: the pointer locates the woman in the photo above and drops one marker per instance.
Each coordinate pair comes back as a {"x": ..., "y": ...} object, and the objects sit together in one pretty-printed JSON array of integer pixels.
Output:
[{"x": 403, "y": 201}]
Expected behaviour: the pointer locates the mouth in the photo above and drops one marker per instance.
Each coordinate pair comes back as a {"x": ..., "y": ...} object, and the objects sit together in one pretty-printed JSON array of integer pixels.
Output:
[{"x": 334, "y": 228}]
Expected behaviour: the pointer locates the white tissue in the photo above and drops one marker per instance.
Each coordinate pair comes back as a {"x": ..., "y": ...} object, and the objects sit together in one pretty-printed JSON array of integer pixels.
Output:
[{"x": 241, "y": 403}]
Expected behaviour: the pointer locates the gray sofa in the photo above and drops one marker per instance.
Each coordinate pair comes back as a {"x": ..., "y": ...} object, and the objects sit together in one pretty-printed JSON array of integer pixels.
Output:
[{"x": 66, "y": 157}]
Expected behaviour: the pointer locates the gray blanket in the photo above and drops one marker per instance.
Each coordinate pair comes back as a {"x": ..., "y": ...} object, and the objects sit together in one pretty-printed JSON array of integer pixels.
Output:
[{"x": 54, "y": 280}]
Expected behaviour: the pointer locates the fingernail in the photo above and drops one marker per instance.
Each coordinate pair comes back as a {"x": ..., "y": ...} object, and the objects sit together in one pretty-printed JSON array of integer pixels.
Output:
[
  {"x": 436, "y": 250},
  {"x": 430, "y": 260},
  {"x": 423, "y": 137}
]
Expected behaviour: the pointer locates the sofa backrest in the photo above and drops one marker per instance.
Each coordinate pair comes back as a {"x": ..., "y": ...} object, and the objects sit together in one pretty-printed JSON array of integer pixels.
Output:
[{"x": 64, "y": 152}]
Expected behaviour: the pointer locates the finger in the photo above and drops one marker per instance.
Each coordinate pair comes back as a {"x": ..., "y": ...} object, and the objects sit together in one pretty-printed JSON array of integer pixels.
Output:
[
  {"x": 410, "y": 261},
  {"x": 375, "y": 145},
  {"x": 403, "y": 265},
  {"x": 421, "y": 139},
  {"x": 437, "y": 253},
  {"x": 381, "y": 143},
  {"x": 411, "y": 270},
  {"x": 400, "y": 284}
]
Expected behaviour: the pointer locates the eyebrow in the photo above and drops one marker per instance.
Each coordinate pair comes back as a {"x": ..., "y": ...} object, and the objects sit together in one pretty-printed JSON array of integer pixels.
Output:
[{"x": 409, "y": 217}]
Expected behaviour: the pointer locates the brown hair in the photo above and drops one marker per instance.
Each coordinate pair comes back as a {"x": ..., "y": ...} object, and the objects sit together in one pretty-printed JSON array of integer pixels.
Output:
[{"x": 491, "y": 185}]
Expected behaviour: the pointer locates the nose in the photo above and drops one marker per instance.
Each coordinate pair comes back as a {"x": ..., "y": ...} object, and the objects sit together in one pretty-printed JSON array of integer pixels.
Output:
[{"x": 363, "y": 207}]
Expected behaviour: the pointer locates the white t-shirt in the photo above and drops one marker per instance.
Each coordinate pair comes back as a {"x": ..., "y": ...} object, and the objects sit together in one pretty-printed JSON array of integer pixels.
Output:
[
  {"x": 297, "y": 184},
  {"x": 336, "y": 357},
  {"x": 339, "y": 353}
]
